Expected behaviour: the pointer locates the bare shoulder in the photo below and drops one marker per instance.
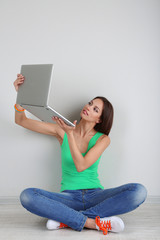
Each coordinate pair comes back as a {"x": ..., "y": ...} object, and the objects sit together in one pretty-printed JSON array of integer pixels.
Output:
[{"x": 104, "y": 139}]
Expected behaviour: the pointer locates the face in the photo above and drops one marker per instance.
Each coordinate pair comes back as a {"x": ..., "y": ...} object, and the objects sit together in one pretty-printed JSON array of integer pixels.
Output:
[{"x": 92, "y": 111}]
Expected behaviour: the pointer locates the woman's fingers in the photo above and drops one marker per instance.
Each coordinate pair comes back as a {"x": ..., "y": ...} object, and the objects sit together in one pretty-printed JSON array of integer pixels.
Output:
[
  {"x": 56, "y": 120},
  {"x": 59, "y": 121},
  {"x": 18, "y": 81},
  {"x": 20, "y": 76},
  {"x": 62, "y": 124},
  {"x": 75, "y": 122}
]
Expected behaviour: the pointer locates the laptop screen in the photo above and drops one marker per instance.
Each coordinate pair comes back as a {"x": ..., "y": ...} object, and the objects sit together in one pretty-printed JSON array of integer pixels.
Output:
[{"x": 35, "y": 89}]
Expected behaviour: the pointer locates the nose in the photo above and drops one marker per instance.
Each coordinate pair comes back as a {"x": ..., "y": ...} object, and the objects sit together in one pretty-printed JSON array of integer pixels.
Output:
[{"x": 87, "y": 107}]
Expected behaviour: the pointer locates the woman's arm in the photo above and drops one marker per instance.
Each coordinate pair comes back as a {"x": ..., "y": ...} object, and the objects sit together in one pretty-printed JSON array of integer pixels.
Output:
[
  {"x": 92, "y": 155},
  {"x": 37, "y": 126},
  {"x": 34, "y": 125}
]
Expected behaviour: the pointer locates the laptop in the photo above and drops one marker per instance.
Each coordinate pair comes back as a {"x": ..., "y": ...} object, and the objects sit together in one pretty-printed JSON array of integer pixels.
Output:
[{"x": 33, "y": 94}]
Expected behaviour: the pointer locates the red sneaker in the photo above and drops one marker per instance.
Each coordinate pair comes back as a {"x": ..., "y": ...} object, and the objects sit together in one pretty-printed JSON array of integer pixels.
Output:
[
  {"x": 62, "y": 225},
  {"x": 103, "y": 225},
  {"x": 113, "y": 224},
  {"x": 52, "y": 225}
]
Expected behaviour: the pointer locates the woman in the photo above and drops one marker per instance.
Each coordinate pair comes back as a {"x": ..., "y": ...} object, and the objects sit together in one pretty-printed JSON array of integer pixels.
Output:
[{"x": 82, "y": 201}]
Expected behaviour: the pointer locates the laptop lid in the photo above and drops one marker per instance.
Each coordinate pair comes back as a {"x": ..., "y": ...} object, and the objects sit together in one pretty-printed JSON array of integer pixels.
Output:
[{"x": 36, "y": 87}]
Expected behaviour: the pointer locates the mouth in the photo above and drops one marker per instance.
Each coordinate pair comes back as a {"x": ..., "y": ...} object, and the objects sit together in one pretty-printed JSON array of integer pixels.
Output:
[{"x": 85, "y": 112}]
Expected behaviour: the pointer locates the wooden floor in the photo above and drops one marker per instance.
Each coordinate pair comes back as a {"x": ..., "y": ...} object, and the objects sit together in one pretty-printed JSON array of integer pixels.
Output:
[{"x": 18, "y": 224}]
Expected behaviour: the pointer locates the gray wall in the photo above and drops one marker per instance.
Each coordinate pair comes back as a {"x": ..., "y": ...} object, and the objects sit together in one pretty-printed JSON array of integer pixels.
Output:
[{"x": 98, "y": 47}]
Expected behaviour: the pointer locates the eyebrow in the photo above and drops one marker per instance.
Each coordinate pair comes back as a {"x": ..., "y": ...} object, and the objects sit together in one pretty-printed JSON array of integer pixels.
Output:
[{"x": 96, "y": 106}]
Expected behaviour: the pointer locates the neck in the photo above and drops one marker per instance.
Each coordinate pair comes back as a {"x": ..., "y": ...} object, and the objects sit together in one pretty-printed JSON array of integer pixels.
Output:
[{"x": 85, "y": 128}]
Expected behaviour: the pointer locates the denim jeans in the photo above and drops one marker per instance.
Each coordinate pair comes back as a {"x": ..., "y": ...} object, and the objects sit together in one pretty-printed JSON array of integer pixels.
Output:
[{"x": 73, "y": 207}]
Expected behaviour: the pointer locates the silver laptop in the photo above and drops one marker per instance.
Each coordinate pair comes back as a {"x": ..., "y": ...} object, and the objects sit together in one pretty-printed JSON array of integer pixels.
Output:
[{"x": 33, "y": 94}]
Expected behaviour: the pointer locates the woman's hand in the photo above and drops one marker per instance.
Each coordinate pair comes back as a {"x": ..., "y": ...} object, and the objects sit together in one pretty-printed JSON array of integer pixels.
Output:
[
  {"x": 64, "y": 126},
  {"x": 18, "y": 81}
]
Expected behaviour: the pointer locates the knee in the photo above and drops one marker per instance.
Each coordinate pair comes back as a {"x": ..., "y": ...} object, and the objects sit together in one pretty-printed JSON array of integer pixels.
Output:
[
  {"x": 140, "y": 193},
  {"x": 26, "y": 197}
]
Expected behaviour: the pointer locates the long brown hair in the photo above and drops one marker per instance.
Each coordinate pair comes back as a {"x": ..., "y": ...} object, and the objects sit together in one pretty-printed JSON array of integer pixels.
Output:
[{"x": 106, "y": 117}]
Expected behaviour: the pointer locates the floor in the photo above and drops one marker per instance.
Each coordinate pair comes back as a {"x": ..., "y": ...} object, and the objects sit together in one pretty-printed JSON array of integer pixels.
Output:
[{"x": 18, "y": 224}]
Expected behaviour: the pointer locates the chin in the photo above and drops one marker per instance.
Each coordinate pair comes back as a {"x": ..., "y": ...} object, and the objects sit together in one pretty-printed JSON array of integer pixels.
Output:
[{"x": 82, "y": 116}]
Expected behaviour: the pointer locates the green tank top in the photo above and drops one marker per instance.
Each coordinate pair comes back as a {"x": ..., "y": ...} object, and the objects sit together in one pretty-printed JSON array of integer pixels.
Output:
[{"x": 71, "y": 178}]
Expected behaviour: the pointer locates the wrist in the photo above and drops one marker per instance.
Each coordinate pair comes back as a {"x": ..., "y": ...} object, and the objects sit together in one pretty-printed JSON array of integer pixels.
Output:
[
  {"x": 18, "y": 108},
  {"x": 70, "y": 134}
]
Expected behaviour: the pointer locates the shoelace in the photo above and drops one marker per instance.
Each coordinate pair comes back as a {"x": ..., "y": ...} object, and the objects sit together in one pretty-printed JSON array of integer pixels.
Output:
[
  {"x": 103, "y": 225},
  {"x": 62, "y": 225}
]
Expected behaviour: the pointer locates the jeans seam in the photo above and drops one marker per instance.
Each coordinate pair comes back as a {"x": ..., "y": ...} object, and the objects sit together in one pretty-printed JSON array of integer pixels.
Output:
[
  {"x": 83, "y": 199},
  {"x": 83, "y": 223}
]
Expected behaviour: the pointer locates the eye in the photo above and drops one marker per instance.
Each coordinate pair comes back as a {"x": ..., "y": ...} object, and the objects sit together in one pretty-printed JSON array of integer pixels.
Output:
[
  {"x": 95, "y": 109},
  {"x": 89, "y": 103}
]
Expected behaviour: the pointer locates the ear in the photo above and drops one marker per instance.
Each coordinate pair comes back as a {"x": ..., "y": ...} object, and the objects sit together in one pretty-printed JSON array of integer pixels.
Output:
[{"x": 99, "y": 121}]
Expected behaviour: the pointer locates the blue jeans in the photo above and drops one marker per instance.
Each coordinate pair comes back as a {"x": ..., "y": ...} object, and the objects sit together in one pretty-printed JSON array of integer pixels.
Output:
[{"x": 73, "y": 207}]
